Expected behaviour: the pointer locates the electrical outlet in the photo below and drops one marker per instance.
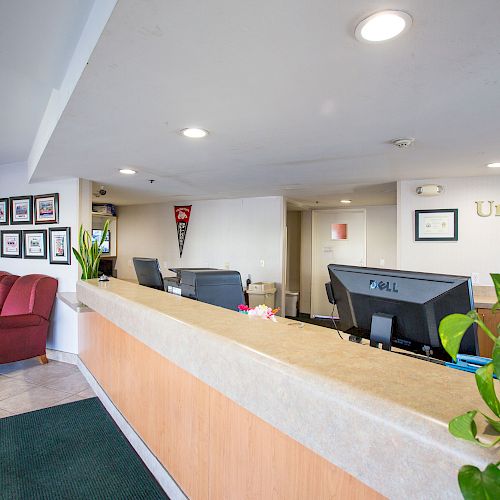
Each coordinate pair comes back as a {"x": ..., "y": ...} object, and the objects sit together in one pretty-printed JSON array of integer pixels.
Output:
[
  {"x": 130, "y": 263},
  {"x": 165, "y": 266},
  {"x": 226, "y": 265},
  {"x": 382, "y": 262},
  {"x": 475, "y": 278},
  {"x": 262, "y": 263}
]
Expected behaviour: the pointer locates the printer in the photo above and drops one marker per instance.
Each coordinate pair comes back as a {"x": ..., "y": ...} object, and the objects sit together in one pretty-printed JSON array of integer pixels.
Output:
[{"x": 218, "y": 287}]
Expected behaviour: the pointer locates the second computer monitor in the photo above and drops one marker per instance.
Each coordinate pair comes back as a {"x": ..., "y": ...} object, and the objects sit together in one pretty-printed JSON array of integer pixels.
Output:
[{"x": 410, "y": 304}]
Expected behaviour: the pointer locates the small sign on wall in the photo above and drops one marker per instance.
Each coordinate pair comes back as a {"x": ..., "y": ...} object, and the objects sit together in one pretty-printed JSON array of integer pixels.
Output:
[{"x": 339, "y": 231}]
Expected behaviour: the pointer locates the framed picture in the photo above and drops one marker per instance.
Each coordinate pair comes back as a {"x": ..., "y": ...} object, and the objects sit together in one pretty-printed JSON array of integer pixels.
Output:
[
  {"x": 339, "y": 231},
  {"x": 436, "y": 225},
  {"x": 60, "y": 245},
  {"x": 35, "y": 244},
  {"x": 4, "y": 211},
  {"x": 12, "y": 244},
  {"x": 46, "y": 208},
  {"x": 21, "y": 210}
]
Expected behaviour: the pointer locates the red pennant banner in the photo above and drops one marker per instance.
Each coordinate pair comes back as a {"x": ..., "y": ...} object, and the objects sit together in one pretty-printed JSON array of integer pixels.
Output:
[{"x": 182, "y": 215}]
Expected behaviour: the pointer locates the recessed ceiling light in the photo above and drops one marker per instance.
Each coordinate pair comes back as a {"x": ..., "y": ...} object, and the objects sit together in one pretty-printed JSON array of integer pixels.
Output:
[
  {"x": 194, "y": 133},
  {"x": 494, "y": 165},
  {"x": 345, "y": 201},
  {"x": 383, "y": 26},
  {"x": 127, "y": 171}
]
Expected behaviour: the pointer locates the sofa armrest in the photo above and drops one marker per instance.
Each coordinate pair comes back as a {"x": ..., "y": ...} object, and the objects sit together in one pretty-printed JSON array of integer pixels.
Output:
[{"x": 20, "y": 321}]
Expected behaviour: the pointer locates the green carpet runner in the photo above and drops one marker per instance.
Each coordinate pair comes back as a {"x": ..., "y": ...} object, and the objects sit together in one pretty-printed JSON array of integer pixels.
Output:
[{"x": 71, "y": 451}]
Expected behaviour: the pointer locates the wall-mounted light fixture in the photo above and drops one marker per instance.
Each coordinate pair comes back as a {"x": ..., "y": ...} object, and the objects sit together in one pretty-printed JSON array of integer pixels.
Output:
[{"x": 429, "y": 190}]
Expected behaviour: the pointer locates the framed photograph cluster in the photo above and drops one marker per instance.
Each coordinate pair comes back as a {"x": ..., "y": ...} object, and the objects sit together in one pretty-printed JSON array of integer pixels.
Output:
[
  {"x": 39, "y": 209},
  {"x": 53, "y": 243},
  {"x": 33, "y": 244}
]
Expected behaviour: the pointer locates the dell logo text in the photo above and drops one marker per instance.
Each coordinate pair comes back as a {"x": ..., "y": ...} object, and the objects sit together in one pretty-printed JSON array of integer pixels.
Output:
[{"x": 384, "y": 286}]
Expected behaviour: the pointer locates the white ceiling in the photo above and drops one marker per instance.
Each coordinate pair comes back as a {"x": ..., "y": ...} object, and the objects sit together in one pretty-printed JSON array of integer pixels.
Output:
[
  {"x": 295, "y": 105},
  {"x": 37, "y": 40}
]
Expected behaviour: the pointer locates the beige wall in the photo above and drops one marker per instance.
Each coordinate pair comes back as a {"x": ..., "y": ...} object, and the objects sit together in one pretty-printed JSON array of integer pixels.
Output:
[
  {"x": 381, "y": 237},
  {"x": 476, "y": 251},
  {"x": 305, "y": 262},
  {"x": 244, "y": 234},
  {"x": 293, "y": 251},
  {"x": 381, "y": 246}
]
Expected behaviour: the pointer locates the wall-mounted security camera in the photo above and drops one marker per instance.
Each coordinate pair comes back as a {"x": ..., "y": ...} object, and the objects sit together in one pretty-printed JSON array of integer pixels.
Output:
[{"x": 102, "y": 191}]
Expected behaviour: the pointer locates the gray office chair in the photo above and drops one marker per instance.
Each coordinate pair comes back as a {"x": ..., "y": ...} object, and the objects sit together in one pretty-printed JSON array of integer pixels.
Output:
[{"x": 148, "y": 272}]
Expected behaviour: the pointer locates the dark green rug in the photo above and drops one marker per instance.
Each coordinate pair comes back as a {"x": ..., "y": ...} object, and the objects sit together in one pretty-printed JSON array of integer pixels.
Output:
[{"x": 71, "y": 451}]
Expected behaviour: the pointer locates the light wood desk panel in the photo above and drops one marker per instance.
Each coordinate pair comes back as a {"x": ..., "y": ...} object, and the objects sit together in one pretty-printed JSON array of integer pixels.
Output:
[{"x": 213, "y": 448}]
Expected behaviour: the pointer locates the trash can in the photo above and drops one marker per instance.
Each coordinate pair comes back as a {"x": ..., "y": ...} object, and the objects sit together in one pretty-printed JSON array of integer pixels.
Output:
[
  {"x": 291, "y": 299},
  {"x": 262, "y": 292}
]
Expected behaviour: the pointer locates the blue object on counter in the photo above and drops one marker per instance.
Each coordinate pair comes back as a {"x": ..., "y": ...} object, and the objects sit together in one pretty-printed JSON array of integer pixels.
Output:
[{"x": 468, "y": 363}]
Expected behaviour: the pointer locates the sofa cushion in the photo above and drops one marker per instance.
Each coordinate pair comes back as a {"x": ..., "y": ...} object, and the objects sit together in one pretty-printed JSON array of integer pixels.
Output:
[
  {"x": 31, "y": 294},
  {"x": 6, "y": 282}
]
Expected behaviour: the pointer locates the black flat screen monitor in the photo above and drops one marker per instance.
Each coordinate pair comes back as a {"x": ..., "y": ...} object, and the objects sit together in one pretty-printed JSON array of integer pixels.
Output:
[
  {"x": 97, "y": 235},
  {"x": 415, "y": 303},
  {"x": 148, "y": 272}
]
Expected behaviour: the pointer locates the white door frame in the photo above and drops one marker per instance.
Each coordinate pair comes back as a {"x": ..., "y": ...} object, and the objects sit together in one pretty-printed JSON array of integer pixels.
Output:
[{"x": 314, "y": 245}]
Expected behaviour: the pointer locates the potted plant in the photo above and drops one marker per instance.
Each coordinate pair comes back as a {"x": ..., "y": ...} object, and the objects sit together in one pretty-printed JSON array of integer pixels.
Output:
[
  {"x": 89, "y": 252},
  {"x": 474, "y": 483}
]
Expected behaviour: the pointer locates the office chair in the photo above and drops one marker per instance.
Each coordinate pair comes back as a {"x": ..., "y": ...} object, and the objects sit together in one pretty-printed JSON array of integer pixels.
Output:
[
  {"x": 148, "y": 272},
  {"x": 329, "y": 293}
]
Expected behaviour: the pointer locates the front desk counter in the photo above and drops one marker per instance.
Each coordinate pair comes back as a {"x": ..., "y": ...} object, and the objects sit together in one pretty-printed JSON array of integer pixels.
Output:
[{"x": 242, "y": 408}]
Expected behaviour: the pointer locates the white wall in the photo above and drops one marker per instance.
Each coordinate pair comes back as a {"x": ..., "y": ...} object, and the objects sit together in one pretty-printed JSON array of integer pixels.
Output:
[
  {"x": 236, "y": 234},
  {"x": 14, "y": 182},
  {"x": 381, "y": 246},
  {"x": 477, "y": 248}
]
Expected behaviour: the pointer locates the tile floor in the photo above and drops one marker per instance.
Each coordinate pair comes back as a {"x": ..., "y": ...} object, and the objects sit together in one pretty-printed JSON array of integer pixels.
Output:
[{"x": 28, "y": 385}]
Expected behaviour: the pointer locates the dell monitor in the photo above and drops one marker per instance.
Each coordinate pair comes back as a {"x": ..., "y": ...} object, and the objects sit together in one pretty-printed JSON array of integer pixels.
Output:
[
  {"x": 401, "y": 308},
  {"x": 148, "y": 272}
]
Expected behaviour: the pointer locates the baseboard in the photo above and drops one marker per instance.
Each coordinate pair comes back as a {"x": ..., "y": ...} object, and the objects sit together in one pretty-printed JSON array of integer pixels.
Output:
[
  {"x": 156, "y": 468},
  {"x": 65, "y": 357}
]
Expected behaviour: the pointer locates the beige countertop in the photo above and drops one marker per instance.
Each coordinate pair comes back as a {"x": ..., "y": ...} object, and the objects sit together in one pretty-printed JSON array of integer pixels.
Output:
[
  {"x": 484, "y": 297},
  {"x": 378, "y": 415},
  {"x": 70, "y": 299}
]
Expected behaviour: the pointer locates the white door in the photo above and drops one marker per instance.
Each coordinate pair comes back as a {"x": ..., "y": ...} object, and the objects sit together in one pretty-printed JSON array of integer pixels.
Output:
[{"x": 327, "y": 249}]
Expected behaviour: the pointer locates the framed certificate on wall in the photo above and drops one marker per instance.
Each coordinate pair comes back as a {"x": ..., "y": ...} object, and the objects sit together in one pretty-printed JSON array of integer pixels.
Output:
[{"x": 436, "y": 225}]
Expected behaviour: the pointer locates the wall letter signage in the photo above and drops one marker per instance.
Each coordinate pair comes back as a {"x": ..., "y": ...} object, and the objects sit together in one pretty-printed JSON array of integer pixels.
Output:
[{"x": 486, "y": 212}]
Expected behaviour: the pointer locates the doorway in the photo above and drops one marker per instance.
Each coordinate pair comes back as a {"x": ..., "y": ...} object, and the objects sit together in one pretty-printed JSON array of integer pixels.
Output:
[{"x": 338, "y": 237}]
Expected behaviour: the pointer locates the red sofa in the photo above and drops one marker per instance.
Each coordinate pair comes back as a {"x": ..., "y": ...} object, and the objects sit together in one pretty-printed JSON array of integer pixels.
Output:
[{"x": 24, "y": 315}]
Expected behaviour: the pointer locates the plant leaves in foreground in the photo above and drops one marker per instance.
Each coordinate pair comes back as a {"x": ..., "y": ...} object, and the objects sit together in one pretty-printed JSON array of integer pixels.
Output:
[
  {"x": 485, "y": 385},
  {"x": 464, "y": 427},
  {"x": 496, "y": 357},
  {"x": 496, "y": 282},
  {"x": 451, "y": 330},
  {"x": 479, "y": 485}
]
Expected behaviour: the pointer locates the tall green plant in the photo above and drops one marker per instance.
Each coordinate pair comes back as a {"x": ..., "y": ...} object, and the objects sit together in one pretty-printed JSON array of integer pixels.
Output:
[
  {"x": 474, "y": 483},
  {"x": 89, "y": 253}
]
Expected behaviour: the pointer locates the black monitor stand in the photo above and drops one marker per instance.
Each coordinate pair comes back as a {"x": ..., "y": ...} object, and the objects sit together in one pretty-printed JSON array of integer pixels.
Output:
[{"x": 381, "y": 330}]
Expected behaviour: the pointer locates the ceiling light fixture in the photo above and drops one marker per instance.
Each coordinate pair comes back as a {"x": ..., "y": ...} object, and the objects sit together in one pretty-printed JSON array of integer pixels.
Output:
[
  {"x": 194, "y": 133},
  {"x": 383, "y": 26},
  {"x": 346, "y": 201},
  {"x": 127, "y": 171},
  {"x": 494, "y": 165}
]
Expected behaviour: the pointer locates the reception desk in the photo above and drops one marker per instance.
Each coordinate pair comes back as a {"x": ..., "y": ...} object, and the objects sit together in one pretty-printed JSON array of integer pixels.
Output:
[{"x": 242, "y": 408}]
